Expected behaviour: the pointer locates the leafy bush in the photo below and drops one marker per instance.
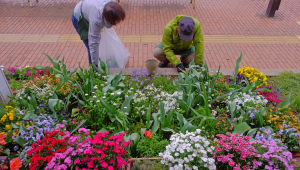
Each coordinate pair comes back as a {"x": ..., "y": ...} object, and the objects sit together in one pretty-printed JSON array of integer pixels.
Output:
[{"x": 151, "y": 147}]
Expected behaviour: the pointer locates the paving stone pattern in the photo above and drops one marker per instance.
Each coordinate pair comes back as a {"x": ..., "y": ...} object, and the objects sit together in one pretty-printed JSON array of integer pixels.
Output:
[{"x": 229, "y": 26}]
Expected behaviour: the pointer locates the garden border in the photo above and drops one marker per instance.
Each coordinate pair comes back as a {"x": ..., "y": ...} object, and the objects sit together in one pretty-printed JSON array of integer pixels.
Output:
[{"x": 173, "y": 71}]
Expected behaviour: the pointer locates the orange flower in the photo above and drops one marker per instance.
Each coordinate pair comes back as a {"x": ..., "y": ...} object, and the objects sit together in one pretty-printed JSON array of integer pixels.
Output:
[
  {"x": 15, "y": 164},
  {"x": 148, "y": 134}
]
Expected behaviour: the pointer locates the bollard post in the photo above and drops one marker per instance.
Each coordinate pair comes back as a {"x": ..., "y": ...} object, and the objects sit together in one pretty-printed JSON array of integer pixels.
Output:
[{"x": 272, "y": 7}]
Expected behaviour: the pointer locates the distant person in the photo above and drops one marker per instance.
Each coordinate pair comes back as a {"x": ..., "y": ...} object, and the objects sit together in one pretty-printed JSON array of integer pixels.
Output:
[
  {"x": 99, "y": 14},
  {"x": 182, "y": 36}
]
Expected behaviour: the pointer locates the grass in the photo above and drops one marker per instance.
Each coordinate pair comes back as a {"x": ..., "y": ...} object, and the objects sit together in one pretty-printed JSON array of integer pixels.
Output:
[{"x": 288, "y": 82}]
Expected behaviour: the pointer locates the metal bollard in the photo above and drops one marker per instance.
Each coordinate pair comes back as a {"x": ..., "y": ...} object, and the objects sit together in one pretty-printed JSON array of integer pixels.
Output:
[{"x": 272, "y": 7}]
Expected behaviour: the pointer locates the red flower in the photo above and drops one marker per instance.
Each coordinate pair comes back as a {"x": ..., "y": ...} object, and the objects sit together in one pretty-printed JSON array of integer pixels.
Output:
[{"x": 148, "y": 134}]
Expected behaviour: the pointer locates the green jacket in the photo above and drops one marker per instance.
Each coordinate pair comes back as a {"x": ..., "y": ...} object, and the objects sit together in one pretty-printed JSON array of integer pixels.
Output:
[{"x": 171, "y": 41}]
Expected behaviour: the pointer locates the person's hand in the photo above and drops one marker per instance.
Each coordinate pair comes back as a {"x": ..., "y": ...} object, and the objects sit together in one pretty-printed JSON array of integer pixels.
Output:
[{"x": 180, "y": 67}]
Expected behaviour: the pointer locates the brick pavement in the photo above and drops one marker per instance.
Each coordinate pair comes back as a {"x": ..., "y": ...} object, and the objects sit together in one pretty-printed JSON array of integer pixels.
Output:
[{"x": 227, "y": 18}]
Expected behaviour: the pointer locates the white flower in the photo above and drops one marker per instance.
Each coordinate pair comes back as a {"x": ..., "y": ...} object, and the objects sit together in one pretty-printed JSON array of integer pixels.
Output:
[
  {"x": 119, "y": 93},
  {"x": 86, "y": 94},
  {"x": 94, "y": 96},
  {"x": 104, "y": 94},
  {"x": 98, "y": 101},
  {"x": 125, "y": 107},
  {"x": 114, "y": 104},
  {"x": 101, "y": 84},
  {"x": 91, "y": 101},
  {"x": 111, "y": 93},
  {"x": 103, "y": 97},
  {"x": 126, "y": 113},
  {"x": 29, "y": 98},
  {"x": 95, "y": 87}
]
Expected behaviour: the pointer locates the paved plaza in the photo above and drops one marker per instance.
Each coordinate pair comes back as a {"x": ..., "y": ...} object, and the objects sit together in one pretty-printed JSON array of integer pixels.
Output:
[{"x": 228, "y": 26}]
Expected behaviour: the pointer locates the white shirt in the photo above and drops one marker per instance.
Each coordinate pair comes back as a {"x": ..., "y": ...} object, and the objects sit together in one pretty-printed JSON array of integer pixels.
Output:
[{"x": 92, "y": 11}]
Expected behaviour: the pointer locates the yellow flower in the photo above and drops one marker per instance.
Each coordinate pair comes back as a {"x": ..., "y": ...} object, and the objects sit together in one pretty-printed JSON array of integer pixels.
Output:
[
  {"x": 7, "y": 126},
  {"x": 27, "y": 126},
  {"x": 11, "y": 118},
  {"x": 18, "y": 123},
  {"x": 14, "y": 133}
]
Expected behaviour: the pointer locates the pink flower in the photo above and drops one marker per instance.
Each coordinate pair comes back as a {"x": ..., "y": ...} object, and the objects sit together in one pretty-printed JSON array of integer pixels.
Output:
[
  {"x": 219, "y": 149},
  {"x": 111, "y": 161},
  {"x": 110, "y": 168},
  {"x": 231, "y": 163},
  {"x": 68, "y": 160},
  {"x": 228, "y": 133},
  {"x": 77, "y": 161},
  {"x": 60, "y": 125},
  {"x": 104, "y": 164},
  {"x": 82, "y": 130},
  {"x": 127, "y": 143},
  {"x": 90, "y": 164}
]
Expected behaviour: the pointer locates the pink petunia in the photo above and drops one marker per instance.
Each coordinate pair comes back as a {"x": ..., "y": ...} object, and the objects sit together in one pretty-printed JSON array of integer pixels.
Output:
[{"x": 104, "y": 164}]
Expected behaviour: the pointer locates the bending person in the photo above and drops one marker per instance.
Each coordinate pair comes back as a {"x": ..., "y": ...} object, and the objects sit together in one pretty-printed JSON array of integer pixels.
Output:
[
  {"x": 98, "y": 14},
  {"x": 182, "y": 36}
]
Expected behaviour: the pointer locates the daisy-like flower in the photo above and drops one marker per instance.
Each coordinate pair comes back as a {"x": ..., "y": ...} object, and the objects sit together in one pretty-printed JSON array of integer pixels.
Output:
[
  {"x": 119, "y": 92},
  {"x": 125, "y": 107},
  {"x": 112, "y": 93},
  {"x": 114, "y": 104},
  {"x": 98, "y": 101},
  {"x": 86, "y": 94},
  {"x": 102, "y": 84},
  {"x": 104, "y": 93},
  {"x": 178, "y": 108},
  {"x": 94, "y": 96},
  {"x": 103, "y": 97}
]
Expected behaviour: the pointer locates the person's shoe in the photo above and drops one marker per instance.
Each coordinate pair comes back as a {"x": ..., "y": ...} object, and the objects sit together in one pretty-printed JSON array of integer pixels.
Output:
[
  {"x": 163, "y": 64},
  {"x": 186, "y": 65}
]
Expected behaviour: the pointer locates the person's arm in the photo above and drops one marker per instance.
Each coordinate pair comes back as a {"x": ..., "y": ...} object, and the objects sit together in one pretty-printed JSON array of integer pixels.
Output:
[
  {"x": 198, "y": 43},
  {"x": 167, "y": 47},
  {"x": 94, "y": 40}
]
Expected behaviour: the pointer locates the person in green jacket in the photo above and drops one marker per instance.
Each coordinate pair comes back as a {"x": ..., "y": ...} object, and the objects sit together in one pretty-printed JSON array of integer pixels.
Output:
[{"x": 182, "y": 36}]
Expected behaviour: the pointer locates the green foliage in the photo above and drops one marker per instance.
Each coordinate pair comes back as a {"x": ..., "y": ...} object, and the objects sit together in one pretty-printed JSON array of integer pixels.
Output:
[
  {"x": 147, "y": 164},
  {"x": 288, "y": 82},
  {"x": 15, "y": 85},
  {"x": 151, "y": 147}
]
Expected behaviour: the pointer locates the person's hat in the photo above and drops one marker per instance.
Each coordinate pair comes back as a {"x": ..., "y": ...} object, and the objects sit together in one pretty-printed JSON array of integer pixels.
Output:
[{"x": 186, "y": 28}]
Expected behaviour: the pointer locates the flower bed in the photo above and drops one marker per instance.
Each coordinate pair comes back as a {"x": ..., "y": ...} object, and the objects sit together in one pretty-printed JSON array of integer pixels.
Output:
[{"x": 93, "y": 120}]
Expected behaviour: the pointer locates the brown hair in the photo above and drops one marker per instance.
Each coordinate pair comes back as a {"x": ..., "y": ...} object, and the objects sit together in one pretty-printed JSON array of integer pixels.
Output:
[{"x": 113, "y": 13}]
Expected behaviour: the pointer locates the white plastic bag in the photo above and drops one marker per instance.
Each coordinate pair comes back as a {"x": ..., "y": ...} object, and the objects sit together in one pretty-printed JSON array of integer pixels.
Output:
[{"x": 111, "y": 48}]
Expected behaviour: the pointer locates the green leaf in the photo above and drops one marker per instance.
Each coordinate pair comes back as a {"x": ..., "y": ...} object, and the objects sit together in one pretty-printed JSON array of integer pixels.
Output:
[
  {"x": 241, "y": 128},
  {"x": 155, "y": 124},
  {"x": 142, "y": 132},
  {"x": 126, "y": 104},
  {"x": 15, "y": 126},
  {"x": 108, "y": 107},
  {"x": 52, "y": 103},
  {"x": 232, "y": 107},
  {"x": 236, "y": 70},
  {"x": 74, "y": 130},
  {"x": 180, "y": 119},
  {"x": 116, "y": 80},
  {"x": 20, "y": 141},
  {"x": 6, "y": 151},
  {"x": 167, "y": 129},
  {"x": 166, "y": 122},
  {"x": 74, "y": 112},
  {"x": 284, "y": 103},
  {"x": 162, "y": 111},
  {"x": 225, "y": 95},
  {"x": 135, "y": 137},
  {"x": 148, "y": 122},
  {"x": 187, "y": 126},
  {"x": 251, "y": 132}
]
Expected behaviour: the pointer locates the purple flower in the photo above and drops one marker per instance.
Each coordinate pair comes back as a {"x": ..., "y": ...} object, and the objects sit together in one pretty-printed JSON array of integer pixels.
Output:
[
  {"x": 252, "y": 116},
  {"x": 16, "y": 148}
]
